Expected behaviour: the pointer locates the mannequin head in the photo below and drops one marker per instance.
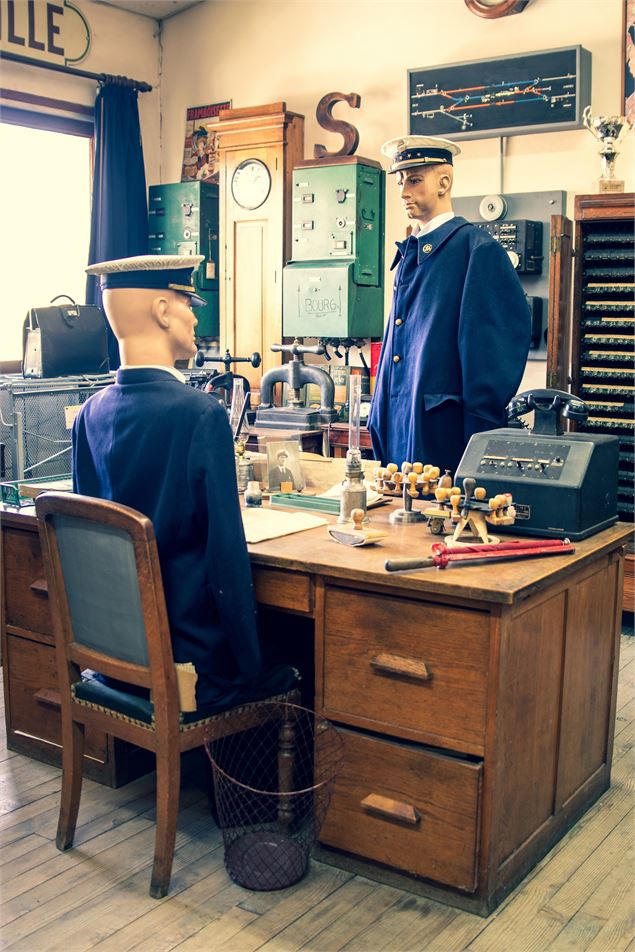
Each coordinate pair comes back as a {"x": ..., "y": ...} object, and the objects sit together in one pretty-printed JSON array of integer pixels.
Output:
[
  {"x": 148, "y": 302},
  {"x": 151, "y": 327},
  {"x": 426, "y": 190}
]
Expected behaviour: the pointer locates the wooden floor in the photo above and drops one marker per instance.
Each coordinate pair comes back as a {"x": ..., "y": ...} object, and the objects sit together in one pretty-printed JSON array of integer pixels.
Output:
[{"x": 581, "y": 896}]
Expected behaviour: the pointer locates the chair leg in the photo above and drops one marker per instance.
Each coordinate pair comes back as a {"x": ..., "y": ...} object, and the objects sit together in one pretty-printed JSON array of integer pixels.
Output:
[
  {"x": 168, "y": 791},
  {"x": 72, "y": 769}
]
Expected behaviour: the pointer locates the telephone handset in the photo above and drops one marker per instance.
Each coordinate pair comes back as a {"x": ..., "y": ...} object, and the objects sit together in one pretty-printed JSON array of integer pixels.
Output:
[{"x": 550, "y": 407}]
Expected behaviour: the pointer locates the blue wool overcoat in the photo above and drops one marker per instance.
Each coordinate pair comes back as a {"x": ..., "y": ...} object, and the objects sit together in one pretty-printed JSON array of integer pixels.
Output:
[
  {"x": 455, "y": 346},
  {"x": 159, "y": 446}
]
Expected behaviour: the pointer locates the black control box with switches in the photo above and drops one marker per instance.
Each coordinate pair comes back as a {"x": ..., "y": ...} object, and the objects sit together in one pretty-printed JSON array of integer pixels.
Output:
[
  {"x": 562, "y": 484},
  {"x": 521, "y": 239}
]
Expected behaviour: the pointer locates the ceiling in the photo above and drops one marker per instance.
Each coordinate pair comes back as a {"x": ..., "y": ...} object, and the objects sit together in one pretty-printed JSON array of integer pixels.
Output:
[{"x": 155, "y": 9}]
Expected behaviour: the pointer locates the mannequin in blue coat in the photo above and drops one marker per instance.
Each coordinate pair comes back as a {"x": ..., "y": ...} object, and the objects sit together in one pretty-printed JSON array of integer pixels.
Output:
[
  {"x": 457, "y": 338},
  {"x": 151, "y": 442}
]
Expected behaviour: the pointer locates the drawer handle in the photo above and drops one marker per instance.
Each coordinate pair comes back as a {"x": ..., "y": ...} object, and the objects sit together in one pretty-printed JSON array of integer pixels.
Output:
[
  {"x": 40, "y": 587},
  {"x": 405, "y": 667},
  {"x": 392, "y": 809},
  {"x": 48, "y": 698}
]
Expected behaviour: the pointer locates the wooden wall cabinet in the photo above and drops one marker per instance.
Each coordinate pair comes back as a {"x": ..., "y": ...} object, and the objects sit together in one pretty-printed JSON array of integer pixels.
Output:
[
  {"x": 258, "y": 148},
  {"x": 592, "y": 329}
]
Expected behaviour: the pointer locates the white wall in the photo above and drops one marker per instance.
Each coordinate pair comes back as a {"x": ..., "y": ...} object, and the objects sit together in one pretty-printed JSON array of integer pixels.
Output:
[
  {"x": 259, "y": 51},
  {"x": 121, "y": 44}
]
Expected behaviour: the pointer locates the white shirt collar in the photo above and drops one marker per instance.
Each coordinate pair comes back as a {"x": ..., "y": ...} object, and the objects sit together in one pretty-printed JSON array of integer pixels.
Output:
[
  {"x": 171, "y": 370},
  {"x": 429, "y": 226}
]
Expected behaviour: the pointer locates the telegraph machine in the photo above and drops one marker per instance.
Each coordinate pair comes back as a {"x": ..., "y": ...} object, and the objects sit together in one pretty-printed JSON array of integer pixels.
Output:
[
  {"x": 183, "y": 220},
  {"x": 563, "y": 484}
]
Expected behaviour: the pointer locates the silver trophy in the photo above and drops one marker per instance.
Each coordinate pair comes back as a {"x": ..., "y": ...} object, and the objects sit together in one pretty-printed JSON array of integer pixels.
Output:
[{"x": 609, "y": 131}]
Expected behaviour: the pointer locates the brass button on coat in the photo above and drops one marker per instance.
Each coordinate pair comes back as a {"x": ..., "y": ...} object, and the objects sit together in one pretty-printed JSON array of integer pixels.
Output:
[
  {"x": 427, "y": 248},
  {"x": 396, "y": 359},
  {"x": 398, "y": 322}
]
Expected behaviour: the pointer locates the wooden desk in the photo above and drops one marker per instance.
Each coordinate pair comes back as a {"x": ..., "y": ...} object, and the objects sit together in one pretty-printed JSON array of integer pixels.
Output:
[
  {"x": 310, "y": 441},
  {"x": 463, "y": 769}
]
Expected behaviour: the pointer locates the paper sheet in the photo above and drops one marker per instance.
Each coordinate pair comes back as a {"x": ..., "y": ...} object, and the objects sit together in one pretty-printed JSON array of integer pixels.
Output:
[{"x": 261, "y": 524}]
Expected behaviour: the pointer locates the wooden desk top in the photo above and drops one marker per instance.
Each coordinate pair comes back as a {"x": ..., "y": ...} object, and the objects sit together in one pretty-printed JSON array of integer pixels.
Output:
[{"x": 314, "y": 552}]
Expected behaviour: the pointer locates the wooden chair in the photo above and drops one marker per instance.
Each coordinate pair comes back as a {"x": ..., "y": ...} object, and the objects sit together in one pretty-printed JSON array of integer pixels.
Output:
[{"x": 109, "y": 614}]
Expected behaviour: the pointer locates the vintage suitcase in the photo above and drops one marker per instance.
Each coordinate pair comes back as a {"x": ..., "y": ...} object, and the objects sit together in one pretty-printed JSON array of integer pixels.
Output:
[{"x": 65, "y": 339}]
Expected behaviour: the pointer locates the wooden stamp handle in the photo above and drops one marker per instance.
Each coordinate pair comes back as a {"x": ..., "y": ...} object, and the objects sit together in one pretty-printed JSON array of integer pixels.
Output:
[
  {"x": 404, "y": 667},
  {"x": 391, "y": 809}
]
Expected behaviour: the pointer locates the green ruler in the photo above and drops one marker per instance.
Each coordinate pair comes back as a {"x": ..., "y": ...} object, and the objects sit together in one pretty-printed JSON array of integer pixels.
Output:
[{"x": 312, "y": 503}]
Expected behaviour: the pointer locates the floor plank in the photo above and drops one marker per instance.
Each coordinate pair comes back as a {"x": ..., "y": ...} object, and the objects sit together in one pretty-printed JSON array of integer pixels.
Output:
[{"x": 579, "y": 898}]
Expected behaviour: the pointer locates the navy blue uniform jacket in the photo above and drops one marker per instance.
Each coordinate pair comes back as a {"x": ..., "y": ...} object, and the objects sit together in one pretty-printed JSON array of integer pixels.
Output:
[
  {"x": 460, "y": 327},
  {"x": 153, "y": 443}
]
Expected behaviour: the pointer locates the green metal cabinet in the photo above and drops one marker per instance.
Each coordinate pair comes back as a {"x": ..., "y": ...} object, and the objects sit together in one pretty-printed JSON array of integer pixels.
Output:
[
  {"x": 333, "y": 284},
  {"x": 183, "y": 220}
]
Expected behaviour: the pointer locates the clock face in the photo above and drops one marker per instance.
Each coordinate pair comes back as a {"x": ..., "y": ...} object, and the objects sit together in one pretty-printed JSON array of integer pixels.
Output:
[{"x": 251, "y": 183}]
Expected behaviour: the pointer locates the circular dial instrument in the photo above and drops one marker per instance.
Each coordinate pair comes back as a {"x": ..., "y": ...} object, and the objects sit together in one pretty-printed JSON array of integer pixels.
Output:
[{"x": 251, "y": 183}]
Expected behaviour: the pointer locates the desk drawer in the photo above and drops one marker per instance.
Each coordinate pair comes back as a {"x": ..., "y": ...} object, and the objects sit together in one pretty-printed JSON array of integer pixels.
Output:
[
  {"x": 292, "y": 591},
  {"x": 33, "y": 694},
  {"x": 408, "y": 808},
  {"x": 26, "y": 595},
  {"x": 412, "y": 669}
]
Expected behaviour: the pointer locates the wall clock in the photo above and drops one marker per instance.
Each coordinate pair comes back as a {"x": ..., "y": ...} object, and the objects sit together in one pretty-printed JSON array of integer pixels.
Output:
[
  {"x": 492, "y": 9},
  {"x": 251, "y": 184}
]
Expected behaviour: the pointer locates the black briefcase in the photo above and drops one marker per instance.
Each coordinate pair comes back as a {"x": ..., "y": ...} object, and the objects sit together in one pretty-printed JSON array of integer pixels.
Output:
[{"x": 65, "y": 339}]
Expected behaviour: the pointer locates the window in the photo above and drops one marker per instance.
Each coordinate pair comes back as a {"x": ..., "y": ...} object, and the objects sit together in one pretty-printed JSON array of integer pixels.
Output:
[{"x": 45, "y": 193}]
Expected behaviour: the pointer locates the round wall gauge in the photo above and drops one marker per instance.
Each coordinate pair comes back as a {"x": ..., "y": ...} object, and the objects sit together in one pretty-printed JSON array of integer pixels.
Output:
[{"x": 251, "y": 183}]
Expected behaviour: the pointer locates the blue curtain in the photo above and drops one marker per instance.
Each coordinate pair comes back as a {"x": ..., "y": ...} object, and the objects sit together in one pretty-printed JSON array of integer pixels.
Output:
[{"x": 119, "y": 223}]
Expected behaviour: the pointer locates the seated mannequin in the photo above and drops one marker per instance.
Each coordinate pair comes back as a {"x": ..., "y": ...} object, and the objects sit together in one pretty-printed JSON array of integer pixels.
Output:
[{"x": 151, "y": 442}]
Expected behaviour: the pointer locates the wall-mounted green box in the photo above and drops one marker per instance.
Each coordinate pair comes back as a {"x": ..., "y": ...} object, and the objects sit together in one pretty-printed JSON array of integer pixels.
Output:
[
  {"x": 338, "y": 212},
  {"x": 321, "y": 299},
  {"x": 333, "y": 284},
  {"x": 183, "y": 220}
]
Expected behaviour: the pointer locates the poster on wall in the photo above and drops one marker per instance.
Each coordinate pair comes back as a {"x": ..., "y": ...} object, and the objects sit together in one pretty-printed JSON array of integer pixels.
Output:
[
  {"x": 199, "y": 151},
  {"x": 545, "y": 91},
  {"x": 629, "y": 60}
]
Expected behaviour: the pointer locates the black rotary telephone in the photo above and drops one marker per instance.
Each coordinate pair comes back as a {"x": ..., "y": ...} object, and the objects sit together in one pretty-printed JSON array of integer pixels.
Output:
[{"x": 551, "y": 407}]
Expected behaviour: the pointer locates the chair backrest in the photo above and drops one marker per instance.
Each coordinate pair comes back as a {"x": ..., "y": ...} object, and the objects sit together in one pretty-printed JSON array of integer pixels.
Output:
[{"x": 106, "y": 591}]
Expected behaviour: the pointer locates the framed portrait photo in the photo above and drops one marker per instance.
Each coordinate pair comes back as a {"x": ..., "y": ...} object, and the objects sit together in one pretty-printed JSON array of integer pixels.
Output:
[{"x": 284, "y": 470}]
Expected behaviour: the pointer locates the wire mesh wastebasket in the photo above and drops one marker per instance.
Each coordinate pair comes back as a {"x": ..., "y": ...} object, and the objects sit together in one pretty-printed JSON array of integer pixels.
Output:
[{"x": 272, "y": 785}]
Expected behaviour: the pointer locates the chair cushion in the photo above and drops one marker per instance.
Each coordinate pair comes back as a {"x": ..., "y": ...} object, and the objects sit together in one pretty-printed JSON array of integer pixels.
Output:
[{"x": 92, "y": 690}]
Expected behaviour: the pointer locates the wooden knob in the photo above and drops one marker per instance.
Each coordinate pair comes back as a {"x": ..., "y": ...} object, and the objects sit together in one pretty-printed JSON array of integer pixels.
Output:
[
  {"x": 441, "y": 493},
  {"x": 480, "y": 492},
  {"x": 446, "y": 479},
  {"x": 417, "y": 467},
  {"x": 392, "y": 468},
  {"x": 358, "y": 515},
  {"x": 468, "y": 487},
  {"x": 397, "y": 477},
  {"x": 406, "y": 467},
  {"x": 412, "y": 479},
  {"x": 434, "y": 473}
]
